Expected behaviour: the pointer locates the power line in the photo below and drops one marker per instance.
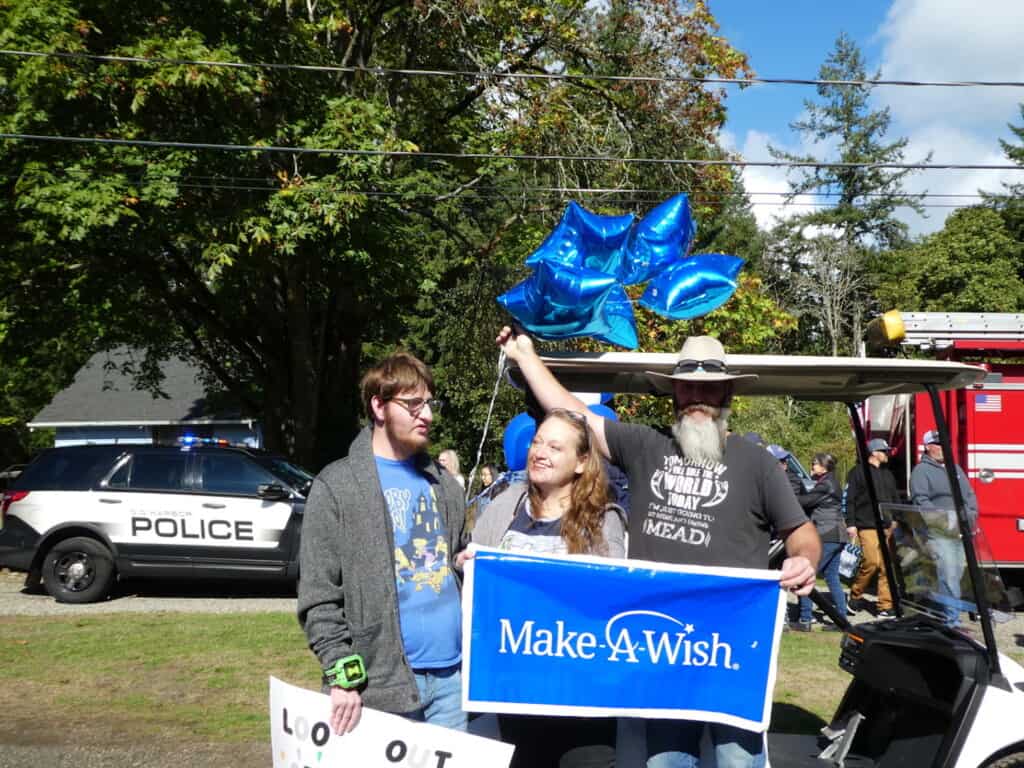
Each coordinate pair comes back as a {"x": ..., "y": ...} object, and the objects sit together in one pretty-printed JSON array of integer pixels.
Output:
[
  {"x": 502, "y": 156},
  {"x": 535, "y": 196},
  {"x": 272, "y": 182},
  {"x": 498, "y": 75}
]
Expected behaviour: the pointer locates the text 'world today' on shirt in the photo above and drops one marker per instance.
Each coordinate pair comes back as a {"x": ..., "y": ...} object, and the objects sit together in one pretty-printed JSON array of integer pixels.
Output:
[
  {"x": 428, "y": 598},
  {"x": 714, "y": 513}
]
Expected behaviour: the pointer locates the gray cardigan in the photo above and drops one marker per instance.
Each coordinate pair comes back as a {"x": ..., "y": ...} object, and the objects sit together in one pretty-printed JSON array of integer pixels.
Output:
[
  {"x": 347, "y": 595},
  {"x": 497, "y": 516}
]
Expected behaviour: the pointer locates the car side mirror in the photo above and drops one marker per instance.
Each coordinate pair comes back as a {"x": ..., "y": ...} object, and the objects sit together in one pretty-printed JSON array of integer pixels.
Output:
[{"x": 272, "y": 491}]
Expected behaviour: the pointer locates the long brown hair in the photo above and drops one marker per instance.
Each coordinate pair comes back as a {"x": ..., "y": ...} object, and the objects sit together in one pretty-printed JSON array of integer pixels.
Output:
[{"x": 582, "y": 524}]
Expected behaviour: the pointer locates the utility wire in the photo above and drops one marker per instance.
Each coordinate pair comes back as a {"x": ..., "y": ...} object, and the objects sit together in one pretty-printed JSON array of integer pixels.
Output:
[
  {"x": 553, "y": 196},
  {"x": 536, "y": 197},
  {"x": 498, "y": 75},
  {"x": 275, "y": 183},
  {"x": 502, "y": 156}
]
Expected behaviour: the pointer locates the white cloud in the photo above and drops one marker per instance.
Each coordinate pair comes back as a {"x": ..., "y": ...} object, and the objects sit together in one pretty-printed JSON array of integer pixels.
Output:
[
  {"x": 766, "y": 185},
  {"x": 763, "y": 183},
  {"x": 949, "y": 40},
  {"x": 959, "y": 188}
]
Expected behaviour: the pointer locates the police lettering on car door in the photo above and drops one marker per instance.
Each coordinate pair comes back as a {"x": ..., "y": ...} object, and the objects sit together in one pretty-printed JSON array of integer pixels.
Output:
[{"x": 179, "y": 526}]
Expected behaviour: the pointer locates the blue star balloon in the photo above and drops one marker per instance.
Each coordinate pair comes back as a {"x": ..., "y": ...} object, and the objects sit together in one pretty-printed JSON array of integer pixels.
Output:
[
  {"x": 693, "y": 287},
  {"x": 660, "y": 239},
  {"x": 581, "y": 268},
  {"x": 559, "y": 301},
  {"x": 617, "y": 314},
  {"x": 562, "y": 302},
  {"x": 585, "y": 239}
]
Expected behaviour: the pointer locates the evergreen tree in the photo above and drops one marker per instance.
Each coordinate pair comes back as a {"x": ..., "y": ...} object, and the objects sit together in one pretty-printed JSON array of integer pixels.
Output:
[
  {"x": 1011, "y": 203},
  {"x": 862, "y": 219}
]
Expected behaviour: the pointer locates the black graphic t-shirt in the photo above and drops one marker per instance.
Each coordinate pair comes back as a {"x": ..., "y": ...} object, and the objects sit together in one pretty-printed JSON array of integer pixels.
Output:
[{"x": 701, "y": 514}]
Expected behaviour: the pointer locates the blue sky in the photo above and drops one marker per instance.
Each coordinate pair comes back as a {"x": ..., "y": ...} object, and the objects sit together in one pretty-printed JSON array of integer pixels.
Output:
[
  {"x": 907, "y": 39},
  {"x": 789, "y": 39}
]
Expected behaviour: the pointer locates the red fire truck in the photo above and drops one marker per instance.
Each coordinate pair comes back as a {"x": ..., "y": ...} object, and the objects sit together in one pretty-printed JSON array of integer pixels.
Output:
[{"x": 986, "y": 422}]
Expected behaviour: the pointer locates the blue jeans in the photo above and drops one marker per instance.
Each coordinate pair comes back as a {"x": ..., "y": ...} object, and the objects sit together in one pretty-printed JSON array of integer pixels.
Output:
[
  {"x": 676, "y": 744},
  {"x": 829, "y": 566},
  {"x": 950, "y": 563},
  {"x": 441, "y": 694}
]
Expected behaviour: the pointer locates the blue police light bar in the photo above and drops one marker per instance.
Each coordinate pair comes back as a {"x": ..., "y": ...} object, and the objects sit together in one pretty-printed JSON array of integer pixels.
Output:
[{"x": 190, "y": 440}]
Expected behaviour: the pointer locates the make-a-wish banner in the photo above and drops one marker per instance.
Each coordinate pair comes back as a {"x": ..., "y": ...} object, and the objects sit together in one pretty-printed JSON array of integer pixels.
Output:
[
  {"x": 301, "y": 737},
  {"x": 596, "y": 637}
]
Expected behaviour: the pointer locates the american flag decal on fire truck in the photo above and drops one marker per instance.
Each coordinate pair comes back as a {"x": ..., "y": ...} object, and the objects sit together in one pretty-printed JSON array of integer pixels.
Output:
[{"x": 988, "y": 403}]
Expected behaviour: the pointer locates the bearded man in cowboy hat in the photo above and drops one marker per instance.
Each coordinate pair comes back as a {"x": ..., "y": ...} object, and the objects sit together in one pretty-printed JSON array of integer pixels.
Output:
[{"x": 699, "y": 496}]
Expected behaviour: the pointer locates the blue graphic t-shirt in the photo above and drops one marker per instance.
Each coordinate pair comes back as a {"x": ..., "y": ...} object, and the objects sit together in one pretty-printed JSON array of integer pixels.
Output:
[{"x": 428, "y": 599}]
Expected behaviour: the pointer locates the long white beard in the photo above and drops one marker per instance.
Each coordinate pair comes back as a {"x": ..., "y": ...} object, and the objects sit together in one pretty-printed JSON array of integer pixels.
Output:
[{"x": 703, "y": 440}]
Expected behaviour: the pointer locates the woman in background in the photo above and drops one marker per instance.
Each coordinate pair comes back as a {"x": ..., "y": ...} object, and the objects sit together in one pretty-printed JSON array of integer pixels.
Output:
[
  {"x": 449, "y": 459},
  {"x": 488, "y": 474},
  {"x": 823, "y": 504}
]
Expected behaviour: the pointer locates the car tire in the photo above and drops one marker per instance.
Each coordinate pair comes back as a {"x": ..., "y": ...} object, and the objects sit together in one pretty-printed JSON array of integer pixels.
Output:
[
  {"x": 78, "y": 570},
  {"x": 1014, "y": 760}
]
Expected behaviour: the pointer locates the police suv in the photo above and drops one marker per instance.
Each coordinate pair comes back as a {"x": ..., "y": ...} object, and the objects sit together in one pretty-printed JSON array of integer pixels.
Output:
[{"x": 80, "y": 517}]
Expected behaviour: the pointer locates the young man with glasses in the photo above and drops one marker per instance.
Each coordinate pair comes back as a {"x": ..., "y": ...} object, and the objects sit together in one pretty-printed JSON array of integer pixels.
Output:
[
  {"x": 377, "y": 597},
  {"x": 699, "y": 496}
]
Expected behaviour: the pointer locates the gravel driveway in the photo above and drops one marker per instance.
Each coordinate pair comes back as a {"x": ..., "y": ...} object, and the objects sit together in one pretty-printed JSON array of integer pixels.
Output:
[{"x": 147, "y": 597}]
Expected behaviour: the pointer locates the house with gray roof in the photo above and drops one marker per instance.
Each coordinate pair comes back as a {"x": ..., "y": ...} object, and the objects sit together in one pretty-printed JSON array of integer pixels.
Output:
[{"x": 104, "y": 405}]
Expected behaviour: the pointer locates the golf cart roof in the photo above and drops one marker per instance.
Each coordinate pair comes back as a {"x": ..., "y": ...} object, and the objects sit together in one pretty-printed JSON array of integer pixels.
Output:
[{"x": 845, "y": 379}]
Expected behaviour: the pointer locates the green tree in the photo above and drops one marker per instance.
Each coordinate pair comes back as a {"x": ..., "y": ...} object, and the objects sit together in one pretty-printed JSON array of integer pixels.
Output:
[
  {"x": 1010, "y": 203},
  {"x": 971, "y": 265},
  {"x": 281, "y": 273},
  {"x": 862, "y": 218}
]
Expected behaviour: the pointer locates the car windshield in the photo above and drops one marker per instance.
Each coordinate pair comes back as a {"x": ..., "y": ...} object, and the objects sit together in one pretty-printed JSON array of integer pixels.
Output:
[
  {"x": 295, "y": 476},
  {"x": 931, "y": 566}
]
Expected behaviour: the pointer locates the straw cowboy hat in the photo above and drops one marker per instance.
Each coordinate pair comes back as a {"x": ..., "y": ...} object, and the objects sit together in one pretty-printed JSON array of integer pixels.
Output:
[{"x": 702, "y": 358}]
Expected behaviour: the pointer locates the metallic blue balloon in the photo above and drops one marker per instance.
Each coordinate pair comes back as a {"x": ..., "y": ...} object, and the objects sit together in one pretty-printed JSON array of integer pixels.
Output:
[
  {"x": 585, "y": 239},
  {"x": 659, "y": 240},
  {"x": 693, "y": 287},
  {"x": 617, "y": 313},
  {"x": 603, "y": 410},
  {"x": 559, "y": 302},
  {"x": 519, "y": 433},
  {"x": 562, "y": 302}
]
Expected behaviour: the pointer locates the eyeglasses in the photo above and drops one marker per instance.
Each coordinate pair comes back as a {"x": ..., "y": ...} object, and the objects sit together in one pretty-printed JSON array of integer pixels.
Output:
[
  {"x": 415, "y": 404},
  {"x": 700, "y": 366}
]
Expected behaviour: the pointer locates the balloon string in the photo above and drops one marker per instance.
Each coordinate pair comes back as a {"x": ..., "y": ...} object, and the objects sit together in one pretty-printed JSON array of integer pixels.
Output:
[{"x": 487, "y": 424}]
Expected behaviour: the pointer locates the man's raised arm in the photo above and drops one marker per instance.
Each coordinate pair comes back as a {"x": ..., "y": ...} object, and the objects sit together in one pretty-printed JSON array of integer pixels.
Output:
[{"x": 550, "y": 394}]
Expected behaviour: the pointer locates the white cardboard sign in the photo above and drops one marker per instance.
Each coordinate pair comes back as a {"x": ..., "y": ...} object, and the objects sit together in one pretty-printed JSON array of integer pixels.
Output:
[{"x": 301, "y": 737}]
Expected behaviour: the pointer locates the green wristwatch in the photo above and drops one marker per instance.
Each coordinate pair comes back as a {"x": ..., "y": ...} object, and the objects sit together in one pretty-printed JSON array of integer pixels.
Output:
[{"x": 349, "y": 672}]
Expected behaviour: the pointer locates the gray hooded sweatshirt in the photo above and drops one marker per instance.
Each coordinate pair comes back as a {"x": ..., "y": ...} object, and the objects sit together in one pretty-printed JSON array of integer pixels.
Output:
[
  {"x": 929, "y": 488},
  {"x": 347, "y": 594}
]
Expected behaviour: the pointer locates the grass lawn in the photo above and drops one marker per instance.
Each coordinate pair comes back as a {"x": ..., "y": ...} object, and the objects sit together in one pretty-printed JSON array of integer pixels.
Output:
[
  {"x": 107, "y": 678},
  {"x": 203, "y": 678}
]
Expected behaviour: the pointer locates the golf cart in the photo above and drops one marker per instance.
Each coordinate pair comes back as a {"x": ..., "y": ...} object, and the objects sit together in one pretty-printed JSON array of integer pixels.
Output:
[{"x": 923, "y": 693}]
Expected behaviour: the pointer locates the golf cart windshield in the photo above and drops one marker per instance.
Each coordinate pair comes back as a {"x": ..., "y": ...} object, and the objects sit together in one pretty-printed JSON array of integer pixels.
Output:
[{"x": 931, "y": 566}]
